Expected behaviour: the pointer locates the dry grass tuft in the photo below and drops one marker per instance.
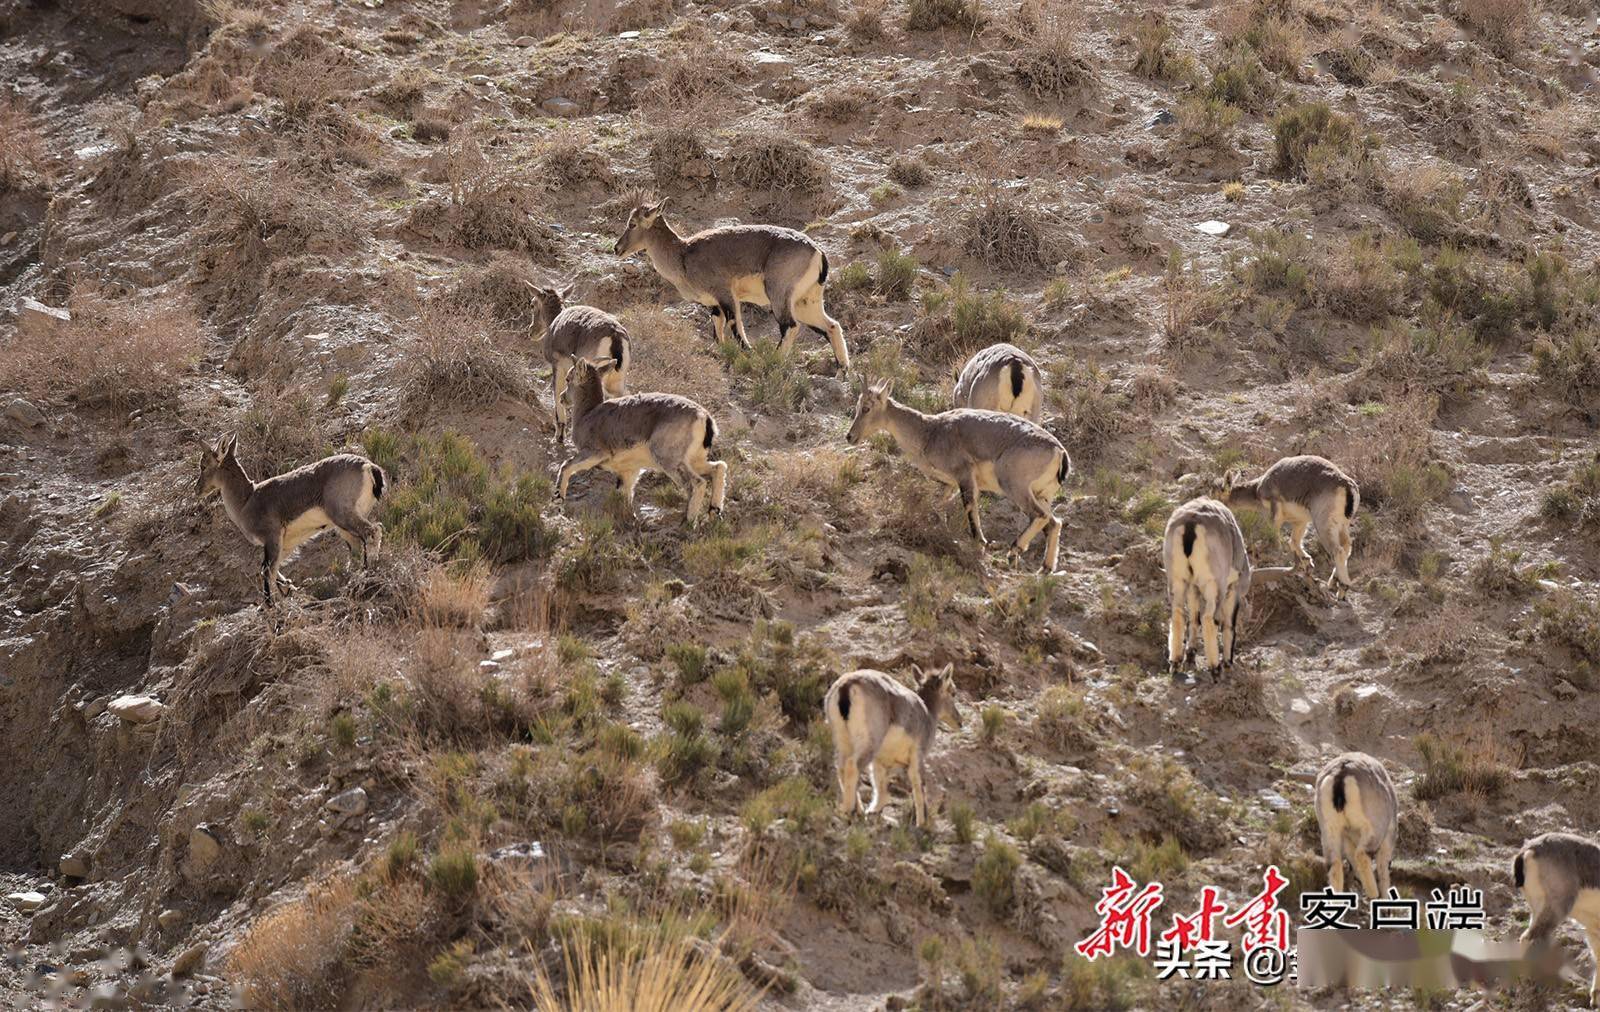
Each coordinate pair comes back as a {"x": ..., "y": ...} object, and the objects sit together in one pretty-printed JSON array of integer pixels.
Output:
[
  {"x": 1503, "y": 24},
  {"x": 454, "y": 597},
  {"x": 1008, "y": 234},
  {"x": 290, "y": 957},
  {"x": 571, "y": 158},
  {"x": 865, "y": 20},
  {"x": 458, "y": 360},
  {"x": 499, "y": 289},
  {"x": 769, "y": 161},
  {"x": 1047, "y": 60},
  {"x": 678, "y": 157},
  {"x": 22, "y": 148},
  {"x": 115, "y": 352},
  {"x": 658, "y": 972},
  {"x": 934, "y": 15}
]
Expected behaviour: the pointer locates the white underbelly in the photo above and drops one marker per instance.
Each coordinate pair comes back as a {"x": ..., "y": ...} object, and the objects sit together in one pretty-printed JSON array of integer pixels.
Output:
[
  {"x": 305, "y": 527},
  {"x": 897, "y": 748},
  {"x": 750, "y": 288},
  {"x": 634, "y": 458}
]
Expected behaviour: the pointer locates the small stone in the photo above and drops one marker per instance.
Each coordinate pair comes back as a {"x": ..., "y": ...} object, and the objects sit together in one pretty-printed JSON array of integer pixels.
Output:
[
  {"x": 169, "y": 918},
  {"x": 74, "y": 866},
  {"x": 24, "y": 413},
  {"x": 136, "y": 709},
  {"x": 94, "y": 707},
  {"x": 524, "y": 41},
  {"x": 27, "y": 902},
  {"x": 503, "y": 655},
  {"x": 5, "y": 240},
  {"x": 1274, "y": 800},
  {"x": 559, "y": 106},
  {"x": 1163, "y": 118},
  {"x": 488, "y": 666},
  {"x": 528, "y": 852},
  {"x": 35, "y": 318},
  {"x": 107, "y": 996},
  {"x": 204, "y": 848},
  {"x": 773, "y": 65},
  {"x": 627, "y": 35},
  {"x": 351, "y": 802},
  {"x": 190, "y": 960},
  {"x": 1214, "y": 227}
]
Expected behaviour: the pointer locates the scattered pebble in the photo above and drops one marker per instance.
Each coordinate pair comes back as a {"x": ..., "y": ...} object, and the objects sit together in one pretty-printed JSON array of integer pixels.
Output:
[{"x": 351, "y": 802}]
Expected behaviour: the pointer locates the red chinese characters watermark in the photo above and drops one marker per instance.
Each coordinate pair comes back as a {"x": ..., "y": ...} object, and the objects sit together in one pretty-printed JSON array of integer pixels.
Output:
[
  {"x": 1200, "y": 926},
  {"x": 1124, "y": 917},
  {"x": 1264, "y": 922}
]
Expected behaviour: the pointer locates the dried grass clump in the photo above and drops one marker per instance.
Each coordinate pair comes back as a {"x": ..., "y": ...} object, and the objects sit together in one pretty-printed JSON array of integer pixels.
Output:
[
  {"x": 686, "y": 80},
  {"x": 1504, "y": 24},
  {"x": 305, "y": 74},
  {"x": 499, "y": 289},
  {"x": 1473, "y": 767},
  {"x": 678, "y": 157},
  {"x": 957, "y": 321},
  {"x": 1359, "y": 280},
  {"x": 114, "y": 352},
  {"x": 454, "y": 597},
  {"x": 775, "y": 162},
  {"x": 1275, "y": 31},
  {"x": 290, "y": 957},
  {"x": 909, "y": 172},
  {"x": 571, "y": 158},
  {"x": 23, "y": 152},
  {"x": 1437, "y": 357},
  {"x": 280, "y": 431},
  {"x": 680, "y": 360},
  {"x": 841, "y": 104},
  {"x": 1425, "y": 199},
  {"x": 403, "y": 94},
  {"x": 491, "y": 206},
  {"x": 1092, "y": 412},
  {"x": 864, "y": 23},
  {"x": 1568, "y": 365},
  {"x": 1154, "y": 56},
  {"x": 654, "y": 971},
  {"x": 1047, "y": 59},
  {"x": 1206, "y": 123},
  {"x": 1005, "y": 233},
  {"x": 933, "y": 15},
  {"x": 457, "y": 361}
]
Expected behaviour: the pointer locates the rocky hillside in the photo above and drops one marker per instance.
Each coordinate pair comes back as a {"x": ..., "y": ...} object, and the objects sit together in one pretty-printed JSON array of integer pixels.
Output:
[{"x": 537, "y": 740}]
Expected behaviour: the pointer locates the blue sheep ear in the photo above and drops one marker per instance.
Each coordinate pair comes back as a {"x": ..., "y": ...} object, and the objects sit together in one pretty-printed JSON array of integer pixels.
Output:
[
  {"x": 916, "y": 672},
  {"x": 948, "y": 673}
]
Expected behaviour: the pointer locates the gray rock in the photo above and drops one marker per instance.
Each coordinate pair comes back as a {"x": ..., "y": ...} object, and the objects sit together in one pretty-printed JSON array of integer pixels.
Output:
[
  {"x": 24, "y": 413},
  {"x": 524, "y": 41},
  {"x": 559, "y": 106},
  {"x": 190, "y": 960},
  {"x": 627, "y": 35},
  {"x": 136, "y": 709},
  {"x": 1163, "y": 118},
  {"x": 26, "y": 902},
  {"x": 527, "y": 852},
  {"x": 95, "y": 707},
  {"x": 107, "y": 996},
  {"x": 204, "y": 848},
  {"x": 35, "y": 319},
  {"x": 1214, "y": 227},
  {"x": 351, "y": 802},
  {"x": 74, "y": 866},
  {"x": 169, "y": 918},
  {"x": 773, "y": 65}
]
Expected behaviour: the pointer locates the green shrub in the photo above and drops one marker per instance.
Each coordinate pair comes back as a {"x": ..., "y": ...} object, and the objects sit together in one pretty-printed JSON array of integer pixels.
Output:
[
  {"x": 1576, "y": 500},
  {"x": 1206, "y": 122},
  {"x": 444, "y": 497},
  {"x": 691, "y": 661},
  {"x": 1304, "y": 133},
  {"x": 454, "y": 872},
  {"x": 1240, "y": 80},
  {"x": 962, "y": 819},
  {"x": 994, "y": 875},
  {"x": 897, "y": 275},
  {"x": 772, "y": 379}
]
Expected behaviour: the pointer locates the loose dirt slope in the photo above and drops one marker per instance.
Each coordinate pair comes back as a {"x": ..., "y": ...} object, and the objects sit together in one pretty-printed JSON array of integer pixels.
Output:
[{"x": 531, "y": 723}]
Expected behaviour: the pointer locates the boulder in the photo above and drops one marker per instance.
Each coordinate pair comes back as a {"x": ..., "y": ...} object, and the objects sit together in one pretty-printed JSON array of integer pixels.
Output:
[
  {"x": 351, "y": 802},
  {"x": 204, "y": 848},
  {"x": 190, "y": 960},
  {"x": 137, "y": 709},
  {"x": 169, "y": 918},
  {"x": 26, "y": 902},
  {"x": 36, "y": 320},
  {"x": 559, "y": 106},
  {"x": 24, "y": 413},
  {"x": 74, "y": 866}
]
